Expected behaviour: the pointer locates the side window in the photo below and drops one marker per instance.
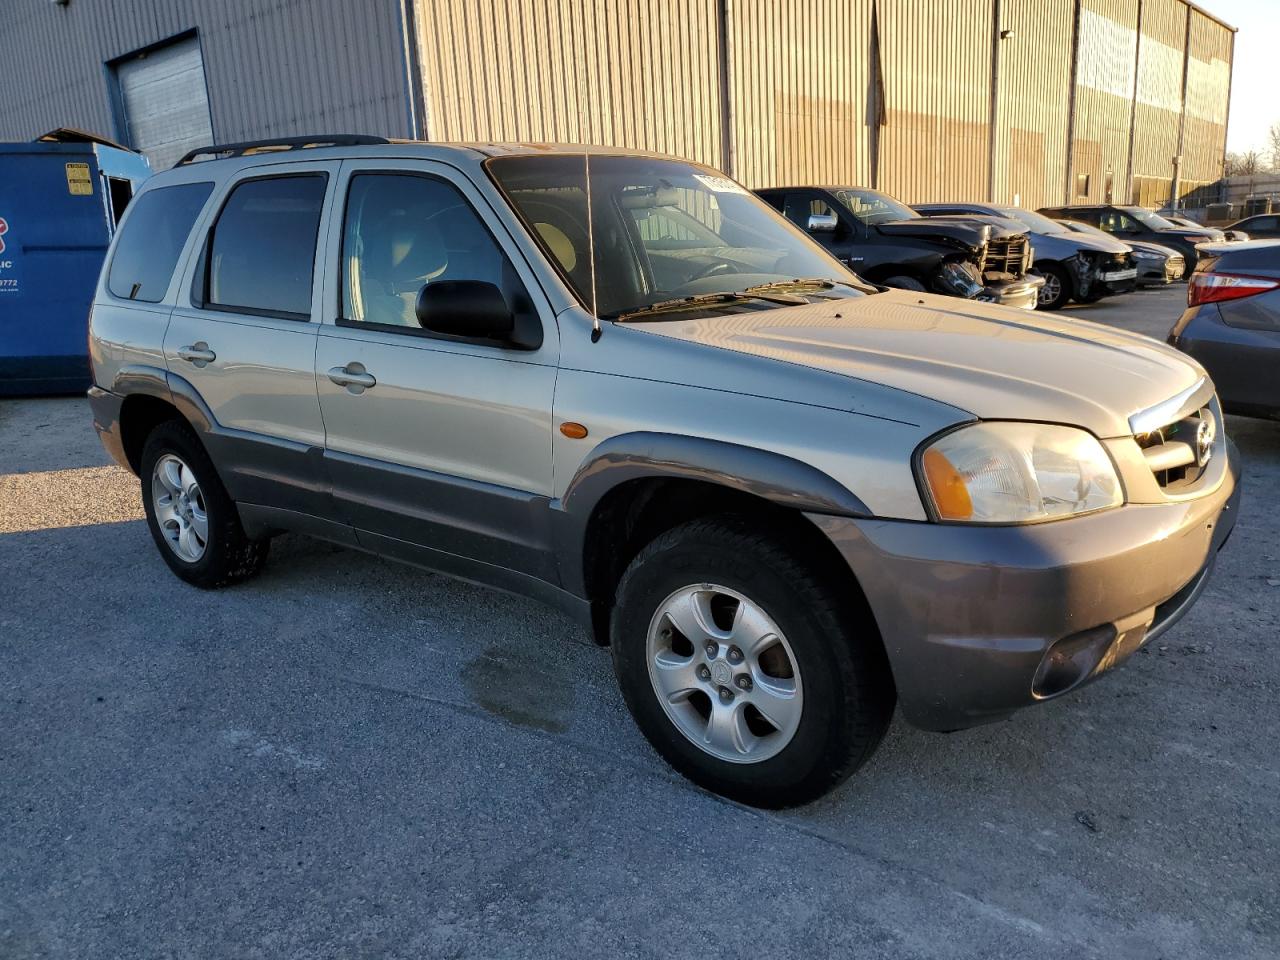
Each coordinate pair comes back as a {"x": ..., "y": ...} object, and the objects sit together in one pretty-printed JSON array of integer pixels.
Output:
[
  {"x": 799, "y": 207},
  {"x": 152, "y": 239},
  {"x": 402, "y": 232},
  {"x": 262, "y": 249}
]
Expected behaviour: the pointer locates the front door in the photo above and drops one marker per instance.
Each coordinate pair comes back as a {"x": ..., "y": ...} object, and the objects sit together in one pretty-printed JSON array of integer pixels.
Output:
[
  {"x": 435, "y": 443},
  {"x": 243, "y": 333}
]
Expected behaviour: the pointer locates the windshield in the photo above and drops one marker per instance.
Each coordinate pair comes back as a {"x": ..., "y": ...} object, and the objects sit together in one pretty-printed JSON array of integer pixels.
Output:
[
  {"x": 1035, "y": 222},
  {"x": 872, "y": 206},
  {"x": 1148, "y": 219},
  {"x": 660, "y": 230}
]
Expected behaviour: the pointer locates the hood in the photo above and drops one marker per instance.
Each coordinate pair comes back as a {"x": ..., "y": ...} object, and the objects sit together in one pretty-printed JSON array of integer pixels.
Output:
[
  {"x": 1194, "y": 234},
  {"x": 967, "y": 231},
  {"x": 993, "y": 362},
  {"x": 1165, "y": 252},
  {"x": 1088, "y": 241}
]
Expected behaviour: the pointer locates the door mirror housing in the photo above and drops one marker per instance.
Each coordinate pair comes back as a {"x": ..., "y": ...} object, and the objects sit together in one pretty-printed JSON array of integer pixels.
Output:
[
  {"x": 465, "y": 308},
  {"x": 823, "y": 223}
]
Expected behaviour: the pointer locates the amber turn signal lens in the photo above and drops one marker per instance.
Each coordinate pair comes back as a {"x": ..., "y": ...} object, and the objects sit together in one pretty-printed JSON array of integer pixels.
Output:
[
  {"x": 950, "y": 495},
  {"x": 574, "y": 431}
]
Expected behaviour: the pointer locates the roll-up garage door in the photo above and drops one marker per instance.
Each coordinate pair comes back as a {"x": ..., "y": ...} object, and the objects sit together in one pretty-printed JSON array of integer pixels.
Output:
[{"x": 165, "y": 102}]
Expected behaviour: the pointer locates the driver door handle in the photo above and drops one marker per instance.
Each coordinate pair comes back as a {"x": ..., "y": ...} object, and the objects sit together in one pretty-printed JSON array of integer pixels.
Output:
[
  {"x": 197, "y": 353},
  {"x": 353, "y": 376}
]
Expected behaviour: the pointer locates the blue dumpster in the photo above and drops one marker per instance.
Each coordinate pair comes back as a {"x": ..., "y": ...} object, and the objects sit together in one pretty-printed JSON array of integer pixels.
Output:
[{"x": 60, "y": 199}]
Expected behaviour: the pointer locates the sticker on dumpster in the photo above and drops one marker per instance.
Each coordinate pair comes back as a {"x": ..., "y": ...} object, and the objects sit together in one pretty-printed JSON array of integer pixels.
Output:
[
  {"x": 79, "y": 183},
  {"x": 8, "y": 265},
  {"x": 718, "y": 184}
]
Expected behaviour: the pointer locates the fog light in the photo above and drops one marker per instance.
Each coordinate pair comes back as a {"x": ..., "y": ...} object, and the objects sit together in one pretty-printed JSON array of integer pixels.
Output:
[{"x": 1071, "y": 660}]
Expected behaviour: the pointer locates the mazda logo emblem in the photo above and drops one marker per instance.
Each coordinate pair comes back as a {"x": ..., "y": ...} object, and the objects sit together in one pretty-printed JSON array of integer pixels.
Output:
[{"x": 1204, "y": 442}]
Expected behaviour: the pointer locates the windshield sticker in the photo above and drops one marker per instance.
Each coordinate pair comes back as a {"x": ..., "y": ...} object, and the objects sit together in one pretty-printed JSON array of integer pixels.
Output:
[
  {"x": 8, "y": 266},
  {"x": 718, "y": 184}
]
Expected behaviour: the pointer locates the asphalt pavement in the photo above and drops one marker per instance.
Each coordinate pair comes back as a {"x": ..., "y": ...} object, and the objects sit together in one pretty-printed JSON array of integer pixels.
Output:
[{"x": 351, "y": 758}]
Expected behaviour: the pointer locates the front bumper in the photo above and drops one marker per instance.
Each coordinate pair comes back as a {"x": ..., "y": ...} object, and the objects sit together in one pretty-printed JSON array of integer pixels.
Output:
[
  {"x": 1022, "y": 293},
  {"x": 969, "y": 613}
]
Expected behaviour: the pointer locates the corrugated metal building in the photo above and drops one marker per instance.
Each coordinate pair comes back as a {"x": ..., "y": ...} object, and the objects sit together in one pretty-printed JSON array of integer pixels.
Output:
[{"x": 1033, "y": 101}]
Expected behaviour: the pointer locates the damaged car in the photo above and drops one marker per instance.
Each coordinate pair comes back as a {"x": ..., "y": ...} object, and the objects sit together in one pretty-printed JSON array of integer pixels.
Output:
[
  {"x": 1157, "y": 265},
  {"x": 888, "y": 243},
  {"x": 1074, "y": 266}
]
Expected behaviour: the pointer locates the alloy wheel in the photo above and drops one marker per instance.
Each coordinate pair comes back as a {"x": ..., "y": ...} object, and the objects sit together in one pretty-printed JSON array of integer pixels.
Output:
[
  {"x": 180, "y": 509},
  {"x": 724, "y": 673}
]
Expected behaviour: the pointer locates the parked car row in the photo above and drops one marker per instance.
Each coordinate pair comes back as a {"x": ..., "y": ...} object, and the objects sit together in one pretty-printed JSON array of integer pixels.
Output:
[{"x": 996, "y": 252}]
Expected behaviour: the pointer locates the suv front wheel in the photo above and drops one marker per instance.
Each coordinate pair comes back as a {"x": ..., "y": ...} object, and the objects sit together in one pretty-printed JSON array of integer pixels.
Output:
[
  {"x": 193, "y": 520},
  {"x": 747, "y": 670}
]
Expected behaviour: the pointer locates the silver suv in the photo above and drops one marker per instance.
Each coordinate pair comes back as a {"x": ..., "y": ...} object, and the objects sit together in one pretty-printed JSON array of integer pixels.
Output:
[{"x": 622, "y": 384}]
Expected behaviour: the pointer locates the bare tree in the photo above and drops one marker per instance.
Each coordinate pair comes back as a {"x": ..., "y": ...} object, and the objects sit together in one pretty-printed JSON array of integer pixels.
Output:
[
  {"x": 1273, "y": 145},
  {"x": 1241, "y": 164}
]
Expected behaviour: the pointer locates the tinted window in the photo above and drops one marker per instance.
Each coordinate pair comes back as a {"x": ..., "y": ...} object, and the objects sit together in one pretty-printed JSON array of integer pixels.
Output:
[
  {"x": 151, "y": 240},
  {"x": 403, "y": 232},
  {"x": 262, "y": 250}
]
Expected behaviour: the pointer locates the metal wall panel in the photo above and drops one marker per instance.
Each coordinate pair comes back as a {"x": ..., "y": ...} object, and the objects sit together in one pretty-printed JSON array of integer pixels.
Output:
[
  {"x": 936, "y": 58},
  {"x": 1106, "y": 72},
  {"x": 799, "y": 76},
  {"x": 629, "y": 73},
  {"x": 273, "y": 67},
  {"x": 1208, "y": 84},
  {"x": 1158, "y": 107},
  {"x": 1034, "y": 101}
]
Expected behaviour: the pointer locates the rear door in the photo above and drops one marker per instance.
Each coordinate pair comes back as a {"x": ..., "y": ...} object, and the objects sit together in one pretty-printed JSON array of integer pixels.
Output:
[
  {"x": 243, "y": 332},
  {"x": 442, "y": 446}
]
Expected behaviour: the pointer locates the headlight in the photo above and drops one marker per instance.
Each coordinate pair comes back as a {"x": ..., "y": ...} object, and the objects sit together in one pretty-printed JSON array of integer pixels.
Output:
[
  {"x": 1145, "y": 255},
  {"x": 1018, "y": 473}
]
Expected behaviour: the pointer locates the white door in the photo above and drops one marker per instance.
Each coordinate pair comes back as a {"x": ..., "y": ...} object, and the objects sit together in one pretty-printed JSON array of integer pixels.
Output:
[{"x": 165, "y": 102}]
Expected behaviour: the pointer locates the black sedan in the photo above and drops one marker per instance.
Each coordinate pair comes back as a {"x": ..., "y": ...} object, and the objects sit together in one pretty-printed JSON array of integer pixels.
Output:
[
  {"x": 1232, "y": 324},
  {"x": 1137, "y": 223},
  {"x": 1265, "y": 226}
]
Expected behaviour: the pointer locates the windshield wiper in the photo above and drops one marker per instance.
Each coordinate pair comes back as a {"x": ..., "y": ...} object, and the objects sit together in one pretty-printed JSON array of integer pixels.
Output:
[
  {"x": 822, "y": 283},
  {"x": 709, "y": 299}
]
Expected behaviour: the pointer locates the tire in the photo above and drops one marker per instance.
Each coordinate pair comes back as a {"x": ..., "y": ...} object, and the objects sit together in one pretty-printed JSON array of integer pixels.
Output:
[
  {"x": 1058, "y": 288},
  {"x": 842, "y": 694},
  {"x": 905, "y": 283},
  {"x": 225, "y": 555}
]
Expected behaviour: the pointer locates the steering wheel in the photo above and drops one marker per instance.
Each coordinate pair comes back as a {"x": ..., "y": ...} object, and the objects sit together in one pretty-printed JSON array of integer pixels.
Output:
[{"x": 714, "y": 270}]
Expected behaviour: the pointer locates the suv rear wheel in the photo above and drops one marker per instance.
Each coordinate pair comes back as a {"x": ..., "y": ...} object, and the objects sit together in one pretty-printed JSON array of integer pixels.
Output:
[
  {"x": 192, "y": 518},
  {"x": 744, "y": 668}
]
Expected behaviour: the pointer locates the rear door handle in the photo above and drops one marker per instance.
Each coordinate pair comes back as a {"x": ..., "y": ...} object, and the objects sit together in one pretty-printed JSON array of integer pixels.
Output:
[
  {"x": 353, "y": 376},
  {"x": 197, "y": 353}
]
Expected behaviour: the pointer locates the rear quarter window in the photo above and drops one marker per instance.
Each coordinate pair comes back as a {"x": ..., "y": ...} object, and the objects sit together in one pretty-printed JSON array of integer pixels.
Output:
[{"x": 151, "y": 239}]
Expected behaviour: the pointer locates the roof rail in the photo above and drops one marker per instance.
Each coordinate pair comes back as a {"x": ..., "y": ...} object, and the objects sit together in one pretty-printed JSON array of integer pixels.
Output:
[{"x": 282, "y": 143}]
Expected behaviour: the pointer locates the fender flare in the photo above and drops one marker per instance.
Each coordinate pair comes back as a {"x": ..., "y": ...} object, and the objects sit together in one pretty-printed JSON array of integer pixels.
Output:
[{"x": 771, "y": 476}]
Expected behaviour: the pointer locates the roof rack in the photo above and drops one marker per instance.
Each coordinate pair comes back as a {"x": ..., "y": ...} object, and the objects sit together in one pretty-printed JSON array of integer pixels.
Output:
[{"x": 281, "y": 144}]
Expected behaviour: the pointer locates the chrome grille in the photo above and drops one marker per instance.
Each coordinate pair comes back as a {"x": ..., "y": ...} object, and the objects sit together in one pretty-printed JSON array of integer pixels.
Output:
[
  {"x": 1174, "y": 451},
  {"x": 1005, "y": 255}
]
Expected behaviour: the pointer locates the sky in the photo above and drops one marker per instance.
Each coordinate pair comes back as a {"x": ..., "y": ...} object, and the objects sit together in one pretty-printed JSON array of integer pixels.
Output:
[{"x": 1254, "y": 104}]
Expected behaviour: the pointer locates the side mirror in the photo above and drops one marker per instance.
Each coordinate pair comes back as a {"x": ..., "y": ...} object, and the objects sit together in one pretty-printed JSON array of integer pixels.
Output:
[
  {"x": 465, "y": 308},
  {"x": 823, "y": 223}
]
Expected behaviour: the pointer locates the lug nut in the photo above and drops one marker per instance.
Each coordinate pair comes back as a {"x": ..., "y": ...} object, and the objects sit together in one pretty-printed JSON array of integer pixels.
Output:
[
  {"x": 703, "y": 672},
  {"x": 725, "y": 694},
  {"x": 743, "y": 682},
  {"x": 712, "y": 649},
  {"x": 735, "y": 655}
]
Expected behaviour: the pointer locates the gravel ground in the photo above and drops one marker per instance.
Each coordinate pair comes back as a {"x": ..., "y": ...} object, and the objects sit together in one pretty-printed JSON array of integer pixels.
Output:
[{"x": 351, "y": 758}]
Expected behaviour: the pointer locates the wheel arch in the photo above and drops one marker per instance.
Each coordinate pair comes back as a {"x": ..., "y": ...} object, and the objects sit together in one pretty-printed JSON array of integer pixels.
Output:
[
  {"x": 634, "y": 487},
  {"x": 151, "y": 396}
]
